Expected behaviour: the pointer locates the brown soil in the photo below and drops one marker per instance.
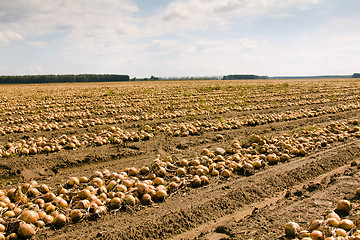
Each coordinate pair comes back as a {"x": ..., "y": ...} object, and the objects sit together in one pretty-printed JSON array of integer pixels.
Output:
[{"x": 252, "y": 207}]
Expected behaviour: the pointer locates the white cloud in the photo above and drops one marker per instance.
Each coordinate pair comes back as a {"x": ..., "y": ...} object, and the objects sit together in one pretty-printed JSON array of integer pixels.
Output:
[
  {"x": 203, "y": 14},
  {"x": 7, "y": 36}
]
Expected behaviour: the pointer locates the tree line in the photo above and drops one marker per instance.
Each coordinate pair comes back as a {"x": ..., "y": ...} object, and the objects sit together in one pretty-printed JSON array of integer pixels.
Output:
[
  {"x": 63, "y": 78},
  {"x": 243, "y": 76}
]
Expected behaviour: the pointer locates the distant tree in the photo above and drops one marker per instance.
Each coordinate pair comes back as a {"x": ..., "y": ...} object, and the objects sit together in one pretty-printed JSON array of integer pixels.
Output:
[
  {"x": 63, "y": 78},
  {"x": 154, "y": 78},
  {"x": 243, "y": 76}
]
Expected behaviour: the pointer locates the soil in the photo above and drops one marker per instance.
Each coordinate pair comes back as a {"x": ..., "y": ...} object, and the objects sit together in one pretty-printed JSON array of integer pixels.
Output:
[{"x": 241, "y": 207}]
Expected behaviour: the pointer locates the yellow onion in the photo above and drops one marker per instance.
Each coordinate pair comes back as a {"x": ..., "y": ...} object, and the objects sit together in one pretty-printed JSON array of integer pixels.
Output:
[
  {"x": 316, "y": 235},
  {"x": 346, "y": 224},
  {"x": 47, "y": 219},
  {"x": 316, "y": 224},
  {"x": 75, "y": 215},
  {"x": 73, "y": 181},
  {"x": 344, "y": 206},
  {"x": 26, "y": 230},
  {"x": 159, "y": 181},
  {"x": 43, "y": 188},
  {"x": 146, "y": 199},
  {"x": 332, "y": 222},
  {"x": 292, "y": 229},
  {"x": 29, "y": 216},
  {"x": 160, "y": 194},
  {"x": 59, "y": 221},
  {"x": 142, "y": 188},
  {"x": 130, "y": 200},
  {"x": 115, "y": 203},
  {"x": 340, "y": 232}
]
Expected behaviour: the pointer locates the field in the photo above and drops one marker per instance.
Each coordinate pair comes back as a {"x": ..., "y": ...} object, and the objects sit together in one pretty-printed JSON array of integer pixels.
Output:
[{"x": 178, "y": 160}]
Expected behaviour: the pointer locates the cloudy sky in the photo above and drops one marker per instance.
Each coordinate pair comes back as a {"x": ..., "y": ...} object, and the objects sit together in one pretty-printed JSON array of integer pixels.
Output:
[{"x": 180, "y": 37}]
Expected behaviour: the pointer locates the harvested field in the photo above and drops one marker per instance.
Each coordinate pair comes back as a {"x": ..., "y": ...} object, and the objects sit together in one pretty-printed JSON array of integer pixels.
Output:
[{"x": 248, "y": 156}]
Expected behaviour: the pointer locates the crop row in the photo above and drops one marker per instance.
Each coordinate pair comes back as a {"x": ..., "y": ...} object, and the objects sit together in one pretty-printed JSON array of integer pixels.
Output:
[{"x": 116, "y": 135}]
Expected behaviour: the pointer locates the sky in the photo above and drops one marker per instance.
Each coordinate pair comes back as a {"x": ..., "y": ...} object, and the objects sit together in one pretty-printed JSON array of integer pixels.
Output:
[{"x": 180, "y": 38}]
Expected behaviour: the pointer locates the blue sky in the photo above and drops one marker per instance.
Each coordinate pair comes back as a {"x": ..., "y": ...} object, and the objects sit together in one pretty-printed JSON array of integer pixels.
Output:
[{"x": 180, "y": 37}]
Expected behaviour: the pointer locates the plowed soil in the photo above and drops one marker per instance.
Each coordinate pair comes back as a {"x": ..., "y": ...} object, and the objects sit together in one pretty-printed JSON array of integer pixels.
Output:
[{"x": 240, "y": 207}]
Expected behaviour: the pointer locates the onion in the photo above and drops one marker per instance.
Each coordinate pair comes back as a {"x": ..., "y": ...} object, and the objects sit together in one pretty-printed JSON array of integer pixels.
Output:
[
  {"x": 85, "y": 194},
  {"x": 343, "y": 206},
  {"x": 76, "y": 215},
  {"x": 159, "y": 181},
  {"x": 161, "y": 194},
  {"x": 142, "y": 188},
  {"x": 357, "y": 192},
  {"x": 132, "y": 171},
  {"x": 49, "y": 208},
  {"x": 59, "y": 221},
  {"x": 204, "y": 180},
  {"x": 33, "y": 192},
  {"x": 17, "y": 211},
  {"x": 39, "y": 223},
  {"x": 111, "y": 185},
  {"x": 12, "y": 236},
  {"x": 97, "y": 182},
  {"x": 49, "y": 196},
  {"x": 121, "y": 188},
  {"x": 226, "y": 173},
  {"x": 29, "y": 216},
  {"x": 2, "y": 237},
  {"x": 172, "y": 186},
  {"x": 83, "y": 180},
  {"x": 40, "y": 202},
  {"x": 332, "y": 222},
  {"x": 316, "y": 235},
  {"x": 130, "y": 200},
  {"x": 47, "y": 219},
  {"x": 334, "y": 215},
  {"x": 2, "y": 228},
  {"x": 292, "y": 229},
  {"x": 144, "y": 170},
  {"x": 340, "y": 232},
  {"x": 128, "y": 183},
  {"x": 146, "y": 199},
  {"x": 73, "y": 181},
  {"x": 60, "y": 202},
  {"x": 316, "y": 225},
  {"x": 82, "y": 204},
  {"x": 195, "y": 182},
  {"x": 346, "y": 224},
  {"x": 115, "y": 203},
  {"x": 181, "y": 171}
]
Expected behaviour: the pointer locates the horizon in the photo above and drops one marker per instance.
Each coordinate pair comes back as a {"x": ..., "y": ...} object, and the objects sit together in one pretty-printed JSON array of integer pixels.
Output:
[{"x": 180, "y": 37}]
